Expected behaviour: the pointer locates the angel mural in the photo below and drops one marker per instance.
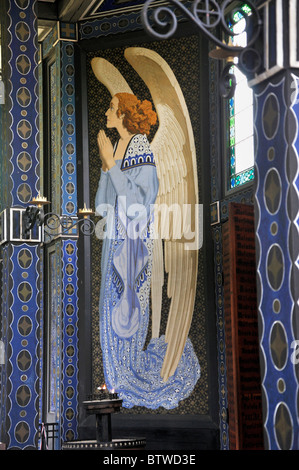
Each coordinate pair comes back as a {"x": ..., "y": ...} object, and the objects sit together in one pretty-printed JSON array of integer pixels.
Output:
[{"x": 137, "y": 180}]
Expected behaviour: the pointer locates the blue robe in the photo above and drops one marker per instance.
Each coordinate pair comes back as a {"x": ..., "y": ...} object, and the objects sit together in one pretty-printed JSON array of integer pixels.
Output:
[{"x": 125, "y": 196}]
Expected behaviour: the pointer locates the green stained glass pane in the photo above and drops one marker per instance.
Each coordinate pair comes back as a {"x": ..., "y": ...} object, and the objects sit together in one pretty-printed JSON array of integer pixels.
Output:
[
  {"x": 238, "y": 14},
  {"x": 246, "y": 9},
  {"x": 242, "y": 178},
  {"x": 240, "y": 143}
]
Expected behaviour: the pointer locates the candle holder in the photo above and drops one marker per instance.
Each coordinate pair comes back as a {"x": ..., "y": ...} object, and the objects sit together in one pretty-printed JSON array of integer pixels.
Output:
[
  {"x": 53, "y": 224},
  {"x": 85, "y": 212},
  {"x": 102, "y": 394},
  {"x": 103, "y": 404}
]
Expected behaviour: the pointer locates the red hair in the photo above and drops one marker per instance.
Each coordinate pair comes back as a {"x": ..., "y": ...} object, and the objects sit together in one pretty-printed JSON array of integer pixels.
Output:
[{"x": 139, "y": 116}]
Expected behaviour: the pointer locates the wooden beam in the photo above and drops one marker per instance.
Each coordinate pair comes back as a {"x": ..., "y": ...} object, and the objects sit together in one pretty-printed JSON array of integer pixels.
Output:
[
  {"x": 47, "y": 11},
  {"x": 71, "y": 10}
]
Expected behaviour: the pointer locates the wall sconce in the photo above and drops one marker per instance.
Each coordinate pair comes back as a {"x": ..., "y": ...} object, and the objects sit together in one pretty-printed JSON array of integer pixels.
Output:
[{"x": 53, "y": 224}]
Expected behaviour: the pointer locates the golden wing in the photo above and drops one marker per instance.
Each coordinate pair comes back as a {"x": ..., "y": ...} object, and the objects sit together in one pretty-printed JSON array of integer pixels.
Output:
[
  {"x": 110, "y": 76},
  {"x": 175, "y": 157}
]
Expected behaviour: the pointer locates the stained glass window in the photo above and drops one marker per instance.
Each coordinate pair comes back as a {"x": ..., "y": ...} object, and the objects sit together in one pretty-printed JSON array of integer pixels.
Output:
[{"x": 241, "y": 140}]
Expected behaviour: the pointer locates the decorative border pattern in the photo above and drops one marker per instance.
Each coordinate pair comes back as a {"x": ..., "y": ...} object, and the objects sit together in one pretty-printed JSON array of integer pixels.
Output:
[
  {"x": 95, "y": 28},
  {"x": 276, "y": 208},
  {"x": 55, "y": 129},
  {"x": 64, "y": 194},
  {"x": 102, "y": 24},
  {"x": 4, "y": 332},
  {"x": 68, "y": 131},
  {"x": 69, "y": 398},
  {"x": 21, "y": 300},
  {"x": 219, "y": 296},
  {"x": 23, "y": 359},
  {"x": 24, "y": 148}
]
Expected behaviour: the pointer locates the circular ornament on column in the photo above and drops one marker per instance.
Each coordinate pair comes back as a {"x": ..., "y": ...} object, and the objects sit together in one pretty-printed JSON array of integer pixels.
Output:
[
  {"x": 23, "y": 4},
  {"x": 22, "y": 31},
  {"x": 70, "y": 392},
  {"x": 69, "y": 414},
  {"x": 70, "y": 188},
  {"x": 70, "y": 249},
  {"x": 70, "y": 330},
  {"x": 69, "y": 109},
  {"x": 69, "y": 50},
  {"x": 24, "y": 360},
  {"x": 70, "y": 149},
  {"x": 271, "y": 154},
  {"x": 276, "y": 306},
  {"x": 70, "y": 168},
  {"x": 70, "y": 309},
  {"x": 23, "y": 395},
  {"x": 275, "y": 267},
  {"x": 70, "y": 129},
  {"x": 278, "y": 345},
  {"x": 70, "y": 351},
  {"x": 24, "y": 193},
  {"x": 70, "y": 436},
  {"x": 69, "y": 269},
  {"x": 25, "y": 292},
  {"x": 70, "y": 208},
  {"x": 24, "y": 161},
  {"x": 23, "y": 64},
  {"x": 271, "y": 116},
  {"x": 24, "y": 258},
  {"x": 70, "y": 371},
  {"x": 24, "y": 129},
  {"x": 281, "y": 386},
  {"x": 23, "y": 96},
  {"x": 22, "y": 432},
  {"x": 24, "y": 326},
  {"x": 70, "y": 289},
  {"x": 272, "y": 191},
  {"x": 70, "y": 70},
  {"x": 283, "y": 427}
]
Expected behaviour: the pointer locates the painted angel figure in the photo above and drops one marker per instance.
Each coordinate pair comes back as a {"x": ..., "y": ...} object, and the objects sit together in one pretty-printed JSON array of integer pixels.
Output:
[{"x": 137, "y": 178}]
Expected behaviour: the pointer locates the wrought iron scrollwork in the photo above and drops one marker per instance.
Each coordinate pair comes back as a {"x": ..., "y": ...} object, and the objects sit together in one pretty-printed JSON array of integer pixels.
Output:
[
  {"x": 249, "y": 61},
  {"x": 55, "y": 225},
  {"x": 206, "y": 14},
  {"x": 227, "y": 82},
  {"x": 64, "y": 224},
  {"x": 209, "y": 16}
]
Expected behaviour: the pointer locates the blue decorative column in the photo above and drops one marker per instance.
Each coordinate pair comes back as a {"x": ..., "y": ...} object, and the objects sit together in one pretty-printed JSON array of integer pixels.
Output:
[
  {"x": 277, "y": 222},
  {"x": 21, "y": 299},
  {"x": 60, "y": 48}
]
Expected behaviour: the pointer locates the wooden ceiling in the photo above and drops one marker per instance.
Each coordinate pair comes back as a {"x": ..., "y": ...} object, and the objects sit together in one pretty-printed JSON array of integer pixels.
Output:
[
  {"x": 79, "y": 10},
  {"x": 73, "y": 11}
]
